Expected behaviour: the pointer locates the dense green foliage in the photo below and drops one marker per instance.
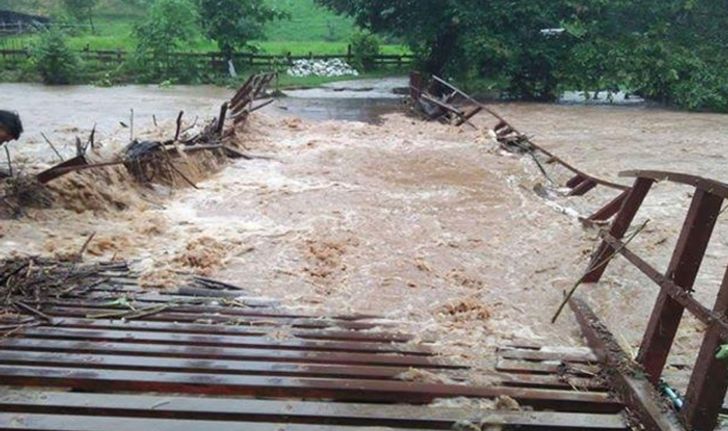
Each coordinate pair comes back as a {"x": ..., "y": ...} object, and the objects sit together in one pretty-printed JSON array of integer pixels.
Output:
[
  {"x": 364, "y": 47},
  {"x": 667, "y": 50},
  {"x": 232, "y": 24},
  {"x": 53, "y": 60},
  {"x": 81, "y": 10},
  {"x": 169, "y": 25}
]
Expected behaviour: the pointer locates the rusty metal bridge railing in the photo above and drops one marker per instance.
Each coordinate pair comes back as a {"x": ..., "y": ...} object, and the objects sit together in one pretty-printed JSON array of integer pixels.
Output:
[{"x": 709, "y": 380}]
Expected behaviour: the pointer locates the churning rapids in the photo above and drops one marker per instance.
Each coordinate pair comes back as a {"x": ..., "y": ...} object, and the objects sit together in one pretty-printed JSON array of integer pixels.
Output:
[{"x": 428, "y": 225}]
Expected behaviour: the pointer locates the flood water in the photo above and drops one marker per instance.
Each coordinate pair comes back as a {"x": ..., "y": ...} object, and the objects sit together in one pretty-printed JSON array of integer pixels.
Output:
[
  {"x": 64, "y": 112},
  {"x": 425, "y": 224}
]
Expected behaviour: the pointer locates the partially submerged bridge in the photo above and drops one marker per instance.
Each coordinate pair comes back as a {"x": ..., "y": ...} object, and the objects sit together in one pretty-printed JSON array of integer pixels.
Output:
[{"x": 101, "y": 353}]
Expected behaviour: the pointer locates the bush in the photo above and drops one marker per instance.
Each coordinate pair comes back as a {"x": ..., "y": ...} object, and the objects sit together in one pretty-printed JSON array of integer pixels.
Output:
[
  {"x": 364, "y": 47},
  {"x": 53, "y": 59}
]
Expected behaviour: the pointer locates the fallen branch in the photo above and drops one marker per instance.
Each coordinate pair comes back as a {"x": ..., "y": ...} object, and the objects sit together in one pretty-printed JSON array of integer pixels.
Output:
[
  {"x": 594, "y": 266},
  {"x": 33, "y": 280},
  {"x": 57, "y": 172},
  {"x": 215, "y": 284},
  {"x": 131, "y": 125},
  {"x": 184, "y": 177},
  {"x": 85, "y": 246},
  {"x": 236, "y": 154},
  {"x": 261, "y": 106},
  {"x": 48, "y": 141},
  {"x": 10, "y": 163},
  {"x": 179, "y": 126},
  {"x": 130, "y": 314},
  {"x": 10, "y": 330},
  {"x": 32, "y": 310}
]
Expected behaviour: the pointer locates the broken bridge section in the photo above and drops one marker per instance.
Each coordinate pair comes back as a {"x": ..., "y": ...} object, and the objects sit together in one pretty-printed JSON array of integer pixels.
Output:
[
  {"x": 709, "y": 380},
  {"x": 634, "y": 381},
  {"x": 436, "y": 99},
  {"x": 104, "y": 354}
]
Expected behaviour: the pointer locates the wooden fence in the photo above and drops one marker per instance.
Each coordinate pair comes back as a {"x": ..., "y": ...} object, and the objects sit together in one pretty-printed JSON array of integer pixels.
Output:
[{"x": 216, "y": 60}]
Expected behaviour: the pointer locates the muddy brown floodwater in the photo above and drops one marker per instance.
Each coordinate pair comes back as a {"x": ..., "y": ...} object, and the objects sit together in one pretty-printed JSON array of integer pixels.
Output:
[{"x": 424, "y": 224}]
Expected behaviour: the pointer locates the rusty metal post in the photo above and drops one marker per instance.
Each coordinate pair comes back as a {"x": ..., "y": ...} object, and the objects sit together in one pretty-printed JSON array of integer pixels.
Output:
[
  {"x": 683, "y": 270},
  {"x": 709, "y": 381},
  {"x": 624, "y": 219},
  {"x": 574, "y": 181},
  {"x": 583, "y": 188},
  {"x": 610, "y": 209}
]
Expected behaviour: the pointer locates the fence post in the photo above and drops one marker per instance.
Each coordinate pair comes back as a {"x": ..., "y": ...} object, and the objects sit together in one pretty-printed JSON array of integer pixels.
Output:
[{"x": 348, "y": 54}]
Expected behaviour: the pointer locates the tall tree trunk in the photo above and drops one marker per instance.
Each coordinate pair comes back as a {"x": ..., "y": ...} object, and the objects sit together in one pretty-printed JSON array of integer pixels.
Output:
[
  {"x": 91, "y": 21},
  {"x": 442, "y": 50}
]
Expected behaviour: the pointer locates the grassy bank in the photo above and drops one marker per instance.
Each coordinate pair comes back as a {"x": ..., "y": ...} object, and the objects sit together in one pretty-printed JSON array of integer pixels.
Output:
[{"x": 311, "y": 29}]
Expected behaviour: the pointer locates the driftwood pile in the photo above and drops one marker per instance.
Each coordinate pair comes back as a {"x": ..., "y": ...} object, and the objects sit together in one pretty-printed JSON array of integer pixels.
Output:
[
  {"x": 31, "y": 286},
  {"x": 152, "y": 160},
  {"x": 27, "y": 282},
  {"x": 149, "y": 161}
]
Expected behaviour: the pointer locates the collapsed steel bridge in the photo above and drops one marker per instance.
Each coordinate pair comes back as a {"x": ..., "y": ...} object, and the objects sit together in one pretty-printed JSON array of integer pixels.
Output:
[{"x": 212, "y": 357}]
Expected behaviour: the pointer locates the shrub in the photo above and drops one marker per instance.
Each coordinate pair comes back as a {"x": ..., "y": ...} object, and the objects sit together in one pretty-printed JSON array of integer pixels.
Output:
[
  {"x": 364, "y": 47},
  {"x": 53, "y": 59}
]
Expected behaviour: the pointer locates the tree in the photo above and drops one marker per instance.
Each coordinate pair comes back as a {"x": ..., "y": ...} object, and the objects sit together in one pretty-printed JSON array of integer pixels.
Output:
[
  {"x": 429, "y": 27},
  {"x": 497, "y": 38},
  {"x": 53, "y": 59},
  {"x": 667, "y": 50},
  {"x": 364, "y": 48},
  {"x": 671, "y": 51},
  {"x": 232, "y": 24},
  {"x": 82, "y": 10},
  {"x": 169, "y": 26}
]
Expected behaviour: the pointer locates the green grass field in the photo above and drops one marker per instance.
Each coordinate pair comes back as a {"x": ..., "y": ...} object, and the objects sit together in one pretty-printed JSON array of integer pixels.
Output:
[{"x": 311, "y": 28}]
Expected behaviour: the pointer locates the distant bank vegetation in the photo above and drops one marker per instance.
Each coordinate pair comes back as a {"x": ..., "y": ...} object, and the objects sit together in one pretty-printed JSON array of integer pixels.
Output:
[
  {"x": 151, "y": 35},
  {"x": 671, "y": 51}
]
